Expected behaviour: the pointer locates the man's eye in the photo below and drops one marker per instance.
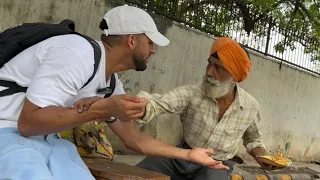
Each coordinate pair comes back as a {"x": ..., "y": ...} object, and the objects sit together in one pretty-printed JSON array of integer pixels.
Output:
[{"x": 221, "y": 68}]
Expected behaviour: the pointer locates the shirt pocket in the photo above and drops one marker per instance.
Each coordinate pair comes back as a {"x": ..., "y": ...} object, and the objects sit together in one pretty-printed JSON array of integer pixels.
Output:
[{"x": 232, "y": 137}]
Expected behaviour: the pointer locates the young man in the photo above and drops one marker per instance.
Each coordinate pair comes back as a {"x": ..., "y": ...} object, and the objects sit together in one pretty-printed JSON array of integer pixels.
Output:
[
  {"x": 215, "y": 114},
  {"x": 55, "y": 71}
]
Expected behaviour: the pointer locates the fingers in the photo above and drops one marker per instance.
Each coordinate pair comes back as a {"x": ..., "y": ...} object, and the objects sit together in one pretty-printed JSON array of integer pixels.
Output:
[
  {"x": 137, "y": 116},
  {"x": 131, "y": 117},
  {"x": 85, "y": 103},
  {"x": 79, "y": 108},
  {"x": 127, "y": 108},
  {"x": 136, "y": 99},
  {"x": 209, "y": 152},
  {"x": 134, "y": 106},
  {"x": 219, "y": 166},
  {"x": 213, "y": 163},
  {"x": 133, "y": 112}
]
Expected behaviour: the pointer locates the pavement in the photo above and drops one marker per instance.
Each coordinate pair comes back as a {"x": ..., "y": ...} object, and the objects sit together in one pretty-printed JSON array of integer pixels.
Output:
[{"x": 250, "y": 170}]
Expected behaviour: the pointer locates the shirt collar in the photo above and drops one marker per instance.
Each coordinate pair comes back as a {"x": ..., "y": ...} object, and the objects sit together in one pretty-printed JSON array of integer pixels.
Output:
[{"x": 238, "y": 101}]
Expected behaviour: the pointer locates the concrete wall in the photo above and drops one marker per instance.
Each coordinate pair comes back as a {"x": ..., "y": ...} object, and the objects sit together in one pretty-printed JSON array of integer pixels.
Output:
[{"x": 289, "y": 98}]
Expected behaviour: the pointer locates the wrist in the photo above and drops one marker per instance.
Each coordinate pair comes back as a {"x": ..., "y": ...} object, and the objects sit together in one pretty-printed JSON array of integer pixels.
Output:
[
  {"x": 184, "y": 154},
  {"x": 102, "y": 110}
]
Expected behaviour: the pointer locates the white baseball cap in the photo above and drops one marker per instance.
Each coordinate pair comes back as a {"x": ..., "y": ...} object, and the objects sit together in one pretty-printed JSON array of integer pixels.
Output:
[{"x": 126, "y": 19}]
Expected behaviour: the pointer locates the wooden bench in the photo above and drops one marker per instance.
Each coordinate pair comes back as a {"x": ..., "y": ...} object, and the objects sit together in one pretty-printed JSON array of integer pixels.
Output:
[{"x": 103, "y": 169}]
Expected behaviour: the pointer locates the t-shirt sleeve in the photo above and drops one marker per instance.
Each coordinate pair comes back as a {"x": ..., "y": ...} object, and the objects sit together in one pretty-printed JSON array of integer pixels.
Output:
[{"x": 61, "y": 73}]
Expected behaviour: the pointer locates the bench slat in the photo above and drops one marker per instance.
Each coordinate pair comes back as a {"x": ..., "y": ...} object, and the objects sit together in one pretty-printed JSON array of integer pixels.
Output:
[{"x": 103, "y": 168}]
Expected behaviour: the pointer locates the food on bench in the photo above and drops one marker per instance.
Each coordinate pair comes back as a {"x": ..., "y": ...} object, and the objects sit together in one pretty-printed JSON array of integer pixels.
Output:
[{"x": 279, "y": 159}]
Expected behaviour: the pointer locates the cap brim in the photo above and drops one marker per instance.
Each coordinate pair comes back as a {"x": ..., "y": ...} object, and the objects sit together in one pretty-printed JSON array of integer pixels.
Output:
[{"x": 158, "y": 38}]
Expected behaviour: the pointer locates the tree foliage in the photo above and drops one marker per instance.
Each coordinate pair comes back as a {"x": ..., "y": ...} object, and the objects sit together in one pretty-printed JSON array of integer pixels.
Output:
[{"x": 295, "y": 20}]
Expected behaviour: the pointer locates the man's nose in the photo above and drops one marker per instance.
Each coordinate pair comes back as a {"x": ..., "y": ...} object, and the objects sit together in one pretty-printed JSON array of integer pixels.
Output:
[
  {"x": 210, "y": 71},
  {"x": 153, "y": 50}
]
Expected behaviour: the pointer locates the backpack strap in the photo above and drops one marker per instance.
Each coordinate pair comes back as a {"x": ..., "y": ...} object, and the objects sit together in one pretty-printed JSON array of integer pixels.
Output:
[
  {"x": 96, "y": 48},
  {"x": 68, "y": 23},
  {"x": 12, "y": 88},
  {"x": 108, "y": 91},
  {"x": 97, "y": 57},
  {"x": 112, "y": 86}
]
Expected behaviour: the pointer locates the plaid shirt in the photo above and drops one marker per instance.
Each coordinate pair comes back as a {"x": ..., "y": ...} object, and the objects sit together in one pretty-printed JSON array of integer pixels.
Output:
[{"x": 199, "y": 116}]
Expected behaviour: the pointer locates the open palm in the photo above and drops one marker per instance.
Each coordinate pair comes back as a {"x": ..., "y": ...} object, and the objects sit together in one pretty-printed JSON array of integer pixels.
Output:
[{"x": 202, "y": 157}]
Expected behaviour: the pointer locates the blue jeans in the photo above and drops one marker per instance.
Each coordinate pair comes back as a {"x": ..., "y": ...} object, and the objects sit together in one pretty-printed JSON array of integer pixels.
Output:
[{"x": 39, "y": 158}]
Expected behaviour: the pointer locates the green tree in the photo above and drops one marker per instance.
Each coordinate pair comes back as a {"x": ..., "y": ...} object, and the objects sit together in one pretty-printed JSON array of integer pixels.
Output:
[{"x": 296, "y": 20}]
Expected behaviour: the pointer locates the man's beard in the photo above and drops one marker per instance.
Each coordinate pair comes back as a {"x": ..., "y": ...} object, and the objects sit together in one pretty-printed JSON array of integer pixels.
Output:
[
  {"x": 139, "y": 61},
  {"x": 215, "y": 89}
]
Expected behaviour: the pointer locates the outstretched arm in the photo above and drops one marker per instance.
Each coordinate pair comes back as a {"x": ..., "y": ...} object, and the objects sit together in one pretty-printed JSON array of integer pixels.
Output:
[{"x": 139, "y": 142}]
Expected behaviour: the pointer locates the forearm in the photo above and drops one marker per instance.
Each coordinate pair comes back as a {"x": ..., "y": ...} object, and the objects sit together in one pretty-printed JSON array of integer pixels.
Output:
[
  {"x": 252, "y": 138},
  {"x": 152, "y": 147},
  {"x": 48, "y": 120},
  {"x": 175, "y": 101}
]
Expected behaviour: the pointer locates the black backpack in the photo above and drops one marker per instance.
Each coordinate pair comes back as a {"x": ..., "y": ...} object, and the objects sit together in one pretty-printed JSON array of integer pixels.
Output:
[{"x": 17, "y": 39}]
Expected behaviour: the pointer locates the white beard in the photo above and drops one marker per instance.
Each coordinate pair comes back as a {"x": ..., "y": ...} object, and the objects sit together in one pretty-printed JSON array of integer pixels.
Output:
[{"x": 215, "y": 89}]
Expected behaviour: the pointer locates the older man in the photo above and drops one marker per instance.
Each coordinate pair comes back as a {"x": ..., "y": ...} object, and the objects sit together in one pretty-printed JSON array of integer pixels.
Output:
[{"x": 215, "y": 114}]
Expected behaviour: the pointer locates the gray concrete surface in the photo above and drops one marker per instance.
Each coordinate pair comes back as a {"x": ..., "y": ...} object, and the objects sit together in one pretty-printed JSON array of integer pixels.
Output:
[{"x": 289, "y": 98}]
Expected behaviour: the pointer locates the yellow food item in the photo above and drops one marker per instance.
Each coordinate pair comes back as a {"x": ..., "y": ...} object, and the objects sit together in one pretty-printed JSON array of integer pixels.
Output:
[{"x": 278, "y": 159}]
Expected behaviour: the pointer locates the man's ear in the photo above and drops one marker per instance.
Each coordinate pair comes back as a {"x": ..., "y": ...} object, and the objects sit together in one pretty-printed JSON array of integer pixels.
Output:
[{"x": 132, "y": 41}]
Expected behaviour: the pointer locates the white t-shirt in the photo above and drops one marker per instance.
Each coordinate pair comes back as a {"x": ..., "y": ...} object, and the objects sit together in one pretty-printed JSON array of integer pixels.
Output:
[{"x": 54, "y": 71}]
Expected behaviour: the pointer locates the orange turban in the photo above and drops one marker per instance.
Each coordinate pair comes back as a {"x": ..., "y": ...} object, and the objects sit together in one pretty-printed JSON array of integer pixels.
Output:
[{"x": 233, "y": 57}]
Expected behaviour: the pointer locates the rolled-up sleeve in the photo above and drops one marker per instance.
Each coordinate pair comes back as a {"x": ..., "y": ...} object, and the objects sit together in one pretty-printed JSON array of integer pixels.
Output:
[
  {"x": 175, "y": 101},
  {"x": 252, "y": 138}
]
